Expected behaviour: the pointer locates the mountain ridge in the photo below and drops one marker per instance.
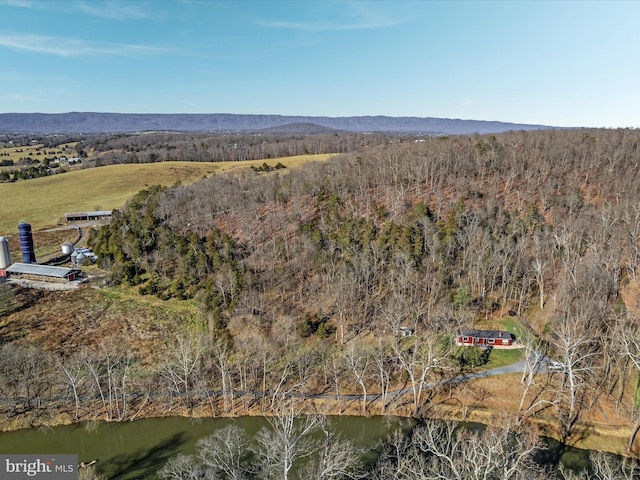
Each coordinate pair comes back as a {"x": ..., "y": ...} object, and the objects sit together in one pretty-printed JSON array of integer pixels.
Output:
[{"x": 95, "y": 122}]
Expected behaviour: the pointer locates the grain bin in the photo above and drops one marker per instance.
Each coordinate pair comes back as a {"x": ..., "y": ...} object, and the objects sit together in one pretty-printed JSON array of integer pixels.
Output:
[
  {"x": 26, "y": 243},
  {"x": 67, "y": 248},
  {"x": 5, "y": 256},
  {"x": 79, "y": 259}
]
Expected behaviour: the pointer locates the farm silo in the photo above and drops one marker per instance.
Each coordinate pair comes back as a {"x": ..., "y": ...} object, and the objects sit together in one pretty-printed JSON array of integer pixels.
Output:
[
  {"x": 5, "y": 256},
  {"x": 26, "y": 243},
  {"x": 67, "y": 248},
  {"x": 79, "y": 259}
]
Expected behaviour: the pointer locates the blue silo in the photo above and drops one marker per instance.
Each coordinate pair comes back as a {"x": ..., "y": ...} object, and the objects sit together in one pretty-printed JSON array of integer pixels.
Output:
[{"x": 26, "y": 243}]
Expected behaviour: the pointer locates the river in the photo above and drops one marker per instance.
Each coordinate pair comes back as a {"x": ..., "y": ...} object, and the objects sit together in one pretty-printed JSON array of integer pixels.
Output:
[{"x": 134, "y": 450}]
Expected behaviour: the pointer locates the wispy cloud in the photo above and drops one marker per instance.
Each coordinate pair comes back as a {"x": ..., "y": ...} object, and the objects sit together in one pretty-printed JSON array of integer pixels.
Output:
[
  {"x": 114, "y": 10},
  {"x": 463, "y": 102},
  {"x": 70, "y": 47},
  {"x": 17, "y": 3},
  {"x": 357, "y": 16},
  {"x": 23, "y": 77},
  {"x": 107, "y": 9}
]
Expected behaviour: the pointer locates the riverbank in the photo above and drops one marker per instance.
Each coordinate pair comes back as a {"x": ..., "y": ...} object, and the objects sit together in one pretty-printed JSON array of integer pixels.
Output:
[
  {"x": 588, "y": 434},
  {"x": 118, "y": 318},
  {"x": 136, "y": 450}
]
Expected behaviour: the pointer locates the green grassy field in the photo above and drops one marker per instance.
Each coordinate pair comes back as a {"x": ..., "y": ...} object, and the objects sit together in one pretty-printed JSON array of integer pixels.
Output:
[
  {"x": 502, "y": 358},
  {"x": 42, "y": 202}
]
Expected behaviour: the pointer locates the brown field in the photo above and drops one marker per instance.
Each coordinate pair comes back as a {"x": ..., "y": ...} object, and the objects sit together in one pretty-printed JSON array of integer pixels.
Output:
[{"x": 42, "y": 202}]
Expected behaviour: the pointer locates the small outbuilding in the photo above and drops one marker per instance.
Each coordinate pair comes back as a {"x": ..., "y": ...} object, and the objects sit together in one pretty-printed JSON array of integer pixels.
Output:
[
  {"x": 485, "y": 338},
  {"x": 405, "y": 332}
]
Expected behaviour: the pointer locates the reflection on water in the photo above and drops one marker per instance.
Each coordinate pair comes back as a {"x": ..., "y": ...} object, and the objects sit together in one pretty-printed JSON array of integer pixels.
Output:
[
  {"x": 556, "y": 453},
  {"x": 135, "y": 450},
  {"x": 128, "y": 451}
]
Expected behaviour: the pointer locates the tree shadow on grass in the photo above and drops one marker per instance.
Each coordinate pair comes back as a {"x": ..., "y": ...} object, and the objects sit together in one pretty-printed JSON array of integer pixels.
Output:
[{"x": 145, "y": 461}]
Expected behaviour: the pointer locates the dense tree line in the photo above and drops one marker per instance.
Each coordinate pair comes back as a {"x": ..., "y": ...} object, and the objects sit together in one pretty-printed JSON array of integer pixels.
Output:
[
  {"x": 46, "y": 140},
  {"x": 33, "y": 170},
  {"x": 161, "y": 147}
]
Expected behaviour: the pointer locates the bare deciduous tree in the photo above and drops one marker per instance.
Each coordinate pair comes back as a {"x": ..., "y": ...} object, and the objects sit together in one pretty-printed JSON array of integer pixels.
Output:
[
  {"x": 382, "y": 356},
  {"x": 288, "y": 441},
  {"x": 603, "y": 467},
  {"x": 357, "y": 362},
  {"x": 181, "y": 364},
  {"x": 419, "y": 357},
  {"x": 441, "y": 450},
  {"x": 575, "y": 346},
  {"x": 182, "y": 467},
  {"x": 335, "y": 459},
  {"x": 74, "y": 376},
  {"x": 533, "y": 381},
  {"x": 225, "y": 453},
  {"x": 90, "y": 473},
  {"x": 628, "y": 337}
]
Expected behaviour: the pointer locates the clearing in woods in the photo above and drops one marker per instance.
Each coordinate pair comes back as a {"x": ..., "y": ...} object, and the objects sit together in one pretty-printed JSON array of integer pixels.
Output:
[{"x": 43, "y": 201}]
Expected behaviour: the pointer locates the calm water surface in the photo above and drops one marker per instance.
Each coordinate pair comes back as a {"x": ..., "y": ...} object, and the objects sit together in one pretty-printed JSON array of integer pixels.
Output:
[{"x": 128, "y": 451}]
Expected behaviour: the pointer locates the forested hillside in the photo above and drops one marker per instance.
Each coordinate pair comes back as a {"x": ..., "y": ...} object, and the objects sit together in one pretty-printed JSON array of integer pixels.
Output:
[
  {"x": 513, "y": 220},
  {"x": 434, "y": 235},
  {"x": 302, "y": 278}
]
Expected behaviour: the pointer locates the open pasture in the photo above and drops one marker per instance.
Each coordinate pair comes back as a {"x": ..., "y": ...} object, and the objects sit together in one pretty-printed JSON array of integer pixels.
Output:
[
  {"x": 37, "y": 152},
  {"x": 42, "y": 202}
]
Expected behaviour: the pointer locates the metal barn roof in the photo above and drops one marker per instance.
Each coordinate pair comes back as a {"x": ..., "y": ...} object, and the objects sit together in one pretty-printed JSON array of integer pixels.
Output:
[
  {"x": 97, "y": 213},
  {"x": 44, "y": 270}
]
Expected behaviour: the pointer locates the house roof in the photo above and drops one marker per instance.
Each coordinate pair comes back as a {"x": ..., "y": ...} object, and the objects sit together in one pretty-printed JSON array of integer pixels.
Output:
[
  {"x": 486, "y": 334},
  {"x": 44, "y": 270}
]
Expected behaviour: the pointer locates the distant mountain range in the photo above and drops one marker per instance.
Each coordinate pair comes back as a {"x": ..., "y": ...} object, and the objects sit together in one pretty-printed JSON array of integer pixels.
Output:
[{"x": 77, "y": 122}]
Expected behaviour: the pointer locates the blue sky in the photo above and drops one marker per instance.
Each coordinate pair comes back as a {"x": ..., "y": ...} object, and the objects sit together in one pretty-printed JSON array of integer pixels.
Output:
[{"x": 569, "y": 63}]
